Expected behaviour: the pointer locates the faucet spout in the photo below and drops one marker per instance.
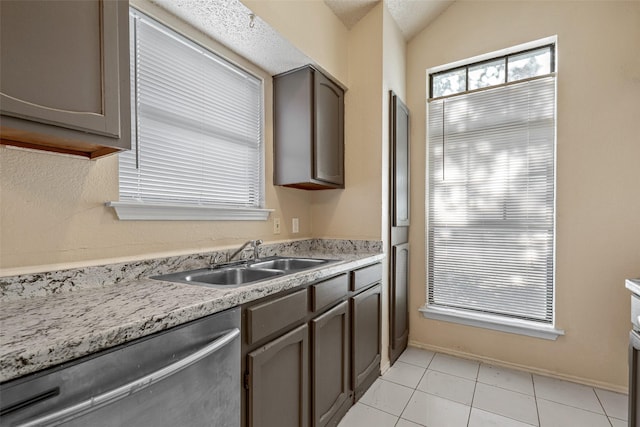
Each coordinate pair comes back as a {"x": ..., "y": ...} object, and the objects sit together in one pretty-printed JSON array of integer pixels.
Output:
[{"x": 254, "y": 243}]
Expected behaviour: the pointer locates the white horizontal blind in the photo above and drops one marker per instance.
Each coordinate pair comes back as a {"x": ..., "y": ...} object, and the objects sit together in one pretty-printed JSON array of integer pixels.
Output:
[
  {"x": 491, "y": 201},
  {"x": 197, "y": 134}
]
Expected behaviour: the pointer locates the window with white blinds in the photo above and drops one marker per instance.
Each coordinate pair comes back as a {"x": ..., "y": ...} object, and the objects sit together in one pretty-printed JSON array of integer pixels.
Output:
[
  {"x": 491, "y": 201},
  {"x": 197, "y": 137}
]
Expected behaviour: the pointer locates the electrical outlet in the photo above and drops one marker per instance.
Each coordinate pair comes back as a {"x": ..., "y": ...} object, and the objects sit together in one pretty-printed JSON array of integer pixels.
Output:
[
  {"x": 276, "y": 225},
  {"x": 295, "y": 225}
]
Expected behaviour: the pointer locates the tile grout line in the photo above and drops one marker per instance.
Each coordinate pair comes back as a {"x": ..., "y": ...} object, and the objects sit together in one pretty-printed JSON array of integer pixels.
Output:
[
  {"x": 377, "y": 409},
  {"x": 416, "y": 387},
  {"x": 603, "y": 408},
  {"x": 535, "y": 399},
  {"x": 604, "y": 413},
  {"x": 473, "y": 396}
]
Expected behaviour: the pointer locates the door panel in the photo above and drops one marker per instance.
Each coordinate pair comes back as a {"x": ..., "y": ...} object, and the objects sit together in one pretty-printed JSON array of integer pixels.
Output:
[
  {"x": 365, "y": 339},
  {"x": 400, "y": 163},
  {"x": 76, "y": 87},
  {"x": 399, "y": 207},
  {"x": 278, "y": 381},
  {"x": 399, "y": 299},
  {"x": 330, "y": 375},
  {"x": 329, "y": 141}
]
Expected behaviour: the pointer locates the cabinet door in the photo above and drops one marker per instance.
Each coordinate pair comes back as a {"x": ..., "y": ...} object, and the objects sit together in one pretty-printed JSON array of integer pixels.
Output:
[
  {"x": 330, "y": 366},
  {"x": 399, "y": 304},
  {"x": 279, "y": 382},
  {"x": 60, "y": 63},
  {"x": 365, "y": 339},
  {"x": 328, "y": 150},
  {"x": 634, "y": 379}
]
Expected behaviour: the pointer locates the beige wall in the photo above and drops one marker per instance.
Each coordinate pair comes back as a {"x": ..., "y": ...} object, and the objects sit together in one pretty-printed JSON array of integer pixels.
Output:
[
  {"x": 52, "y": 212},
  {"x": 311, "y": 27},
  {"x": 355, "y": 211},
  {"x": 394, "y": 49},
  {"x": 598, "y": 186}
]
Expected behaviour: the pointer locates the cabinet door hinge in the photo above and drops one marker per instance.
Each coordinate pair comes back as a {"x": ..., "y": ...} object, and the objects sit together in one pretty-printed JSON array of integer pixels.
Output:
[{"x": 246, "y": 381}]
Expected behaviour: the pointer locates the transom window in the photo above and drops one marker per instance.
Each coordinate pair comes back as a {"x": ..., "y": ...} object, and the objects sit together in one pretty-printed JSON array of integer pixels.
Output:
[
  {"x": 491, "y": 193},
  {"x": 507, "y": 68}
]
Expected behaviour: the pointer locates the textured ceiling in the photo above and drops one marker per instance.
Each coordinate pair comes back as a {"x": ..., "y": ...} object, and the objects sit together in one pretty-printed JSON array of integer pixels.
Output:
[
  {"x": 351, "y": 11},
  {"x": 230, "y": 23},
  {"x": 411, "y": 15}
]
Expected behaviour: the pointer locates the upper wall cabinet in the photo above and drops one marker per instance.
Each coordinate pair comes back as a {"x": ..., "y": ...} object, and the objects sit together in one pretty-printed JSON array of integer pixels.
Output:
[
  {"x": 308, "y": 130},
  {"x": 64, "y": 76}
]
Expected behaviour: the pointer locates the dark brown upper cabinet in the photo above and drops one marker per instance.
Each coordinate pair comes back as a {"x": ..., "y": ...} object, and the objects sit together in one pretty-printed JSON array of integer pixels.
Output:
[
  {"x": 308, "y": 130},
  {"x": 64, "y": 76}
]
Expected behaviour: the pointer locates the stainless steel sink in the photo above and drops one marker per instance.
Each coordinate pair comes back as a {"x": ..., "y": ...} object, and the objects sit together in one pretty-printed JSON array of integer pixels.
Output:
[
  {"x": 289, "y": 264},
  {"x": 238, "y": 274}
]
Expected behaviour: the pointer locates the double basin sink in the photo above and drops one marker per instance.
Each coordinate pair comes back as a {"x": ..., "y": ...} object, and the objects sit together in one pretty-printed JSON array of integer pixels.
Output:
[{"x": 239, "y": 274}]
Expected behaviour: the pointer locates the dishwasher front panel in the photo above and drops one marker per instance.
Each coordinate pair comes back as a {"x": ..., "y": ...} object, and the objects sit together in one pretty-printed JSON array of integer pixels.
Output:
[{"x": 186, "y": 376}]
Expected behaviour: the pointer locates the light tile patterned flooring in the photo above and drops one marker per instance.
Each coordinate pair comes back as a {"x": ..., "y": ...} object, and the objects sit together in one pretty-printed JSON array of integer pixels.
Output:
[{"x": 436, "y": 390}]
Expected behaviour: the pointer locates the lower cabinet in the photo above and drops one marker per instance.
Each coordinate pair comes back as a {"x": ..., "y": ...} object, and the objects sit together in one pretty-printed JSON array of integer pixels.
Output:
[
  {"x": 365, "y": 355},
  {"x": 277, "y": 381},
  {"x": 634, "y": 379},
  {"x": 310, "y": 353},
  {"x": 330, "y": 391}
]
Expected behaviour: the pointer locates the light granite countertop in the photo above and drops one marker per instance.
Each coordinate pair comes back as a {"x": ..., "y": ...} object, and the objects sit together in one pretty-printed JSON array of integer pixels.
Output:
[
  {"x": 42, "y": 331},
  {"x": 633, "y": 285}
]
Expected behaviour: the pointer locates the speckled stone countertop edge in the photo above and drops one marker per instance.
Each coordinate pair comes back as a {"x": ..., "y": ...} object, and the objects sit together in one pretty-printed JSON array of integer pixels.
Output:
[
  {"x": 57, "y": 282},
  {"x": 41, "y": 332},
  {"x": 633, "y": 285}
]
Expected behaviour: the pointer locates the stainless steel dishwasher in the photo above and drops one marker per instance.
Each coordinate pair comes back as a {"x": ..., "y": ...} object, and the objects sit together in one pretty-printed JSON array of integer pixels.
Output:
[{"x": 186, "y": 376}]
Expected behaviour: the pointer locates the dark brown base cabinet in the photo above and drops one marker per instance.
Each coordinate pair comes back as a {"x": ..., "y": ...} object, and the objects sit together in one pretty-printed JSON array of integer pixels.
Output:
[
  {"x": 330, "y": 388},
  {"x": 278, "y": 381},
  {"x": 365, "y": 308},
  {"x": 309, "y": 353},
  {"x": 634, "y": 379}
]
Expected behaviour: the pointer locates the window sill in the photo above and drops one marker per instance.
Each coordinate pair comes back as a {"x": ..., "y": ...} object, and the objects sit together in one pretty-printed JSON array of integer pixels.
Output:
[
  {"x": 134, "y": 211},
  {"x": 496, "y": 323}
]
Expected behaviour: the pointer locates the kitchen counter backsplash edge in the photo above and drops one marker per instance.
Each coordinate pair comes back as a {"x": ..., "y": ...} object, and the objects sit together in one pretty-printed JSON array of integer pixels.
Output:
[{"x": 56, "y": 282}]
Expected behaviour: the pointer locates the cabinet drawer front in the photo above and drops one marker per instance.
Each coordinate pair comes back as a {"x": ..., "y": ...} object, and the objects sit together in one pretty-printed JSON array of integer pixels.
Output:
[
  {"x": 269, "y": 317},
  {"x": 328, "y": 291},
  {"x": 366, "y": 276}
]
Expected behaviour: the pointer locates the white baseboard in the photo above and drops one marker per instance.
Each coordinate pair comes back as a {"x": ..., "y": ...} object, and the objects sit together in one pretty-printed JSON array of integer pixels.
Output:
[
  {"x": 384, "y": 368},
  {"x": 586, "y": 381}
]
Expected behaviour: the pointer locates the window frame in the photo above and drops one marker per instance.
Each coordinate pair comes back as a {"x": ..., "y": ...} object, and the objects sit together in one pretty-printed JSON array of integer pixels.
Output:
[
  {"x": 134, "y": 210},
  {"x": 506, "y": 56},
  {"x": 467, "y": 317}
]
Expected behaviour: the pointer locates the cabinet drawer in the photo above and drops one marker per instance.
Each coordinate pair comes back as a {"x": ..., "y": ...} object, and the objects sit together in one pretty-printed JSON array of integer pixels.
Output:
[
  {"x": 271, "y": 316},
  {"x": 328, "y": 291},
  {"x": 366, "y": 276}
]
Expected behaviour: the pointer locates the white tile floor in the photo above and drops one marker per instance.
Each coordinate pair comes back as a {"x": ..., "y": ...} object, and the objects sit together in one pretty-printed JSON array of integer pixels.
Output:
[{"x": 435, "y": 390}]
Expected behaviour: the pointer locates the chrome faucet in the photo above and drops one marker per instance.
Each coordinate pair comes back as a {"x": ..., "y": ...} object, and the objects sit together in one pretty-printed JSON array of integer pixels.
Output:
[
  {"x": 217, "y": 258},
  {"x": 254, "y": 243}
]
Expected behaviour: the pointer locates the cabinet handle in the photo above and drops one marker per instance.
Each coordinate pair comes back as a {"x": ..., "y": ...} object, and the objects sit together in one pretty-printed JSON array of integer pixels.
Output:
[{"x": 134, "y": 386}]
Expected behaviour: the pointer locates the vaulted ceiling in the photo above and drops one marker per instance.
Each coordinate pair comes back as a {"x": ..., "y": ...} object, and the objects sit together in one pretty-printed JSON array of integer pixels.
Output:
[{"x": 410, "y": 15}]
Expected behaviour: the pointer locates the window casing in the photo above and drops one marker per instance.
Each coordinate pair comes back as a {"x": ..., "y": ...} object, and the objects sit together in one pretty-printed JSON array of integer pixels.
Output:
[
  {"x": 197, "y": 138},
  {"x": 491, "y": 193}
]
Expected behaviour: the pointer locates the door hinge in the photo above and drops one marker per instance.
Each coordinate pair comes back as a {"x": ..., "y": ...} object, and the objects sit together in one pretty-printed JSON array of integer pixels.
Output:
[{"x": 246, "y": 381}]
